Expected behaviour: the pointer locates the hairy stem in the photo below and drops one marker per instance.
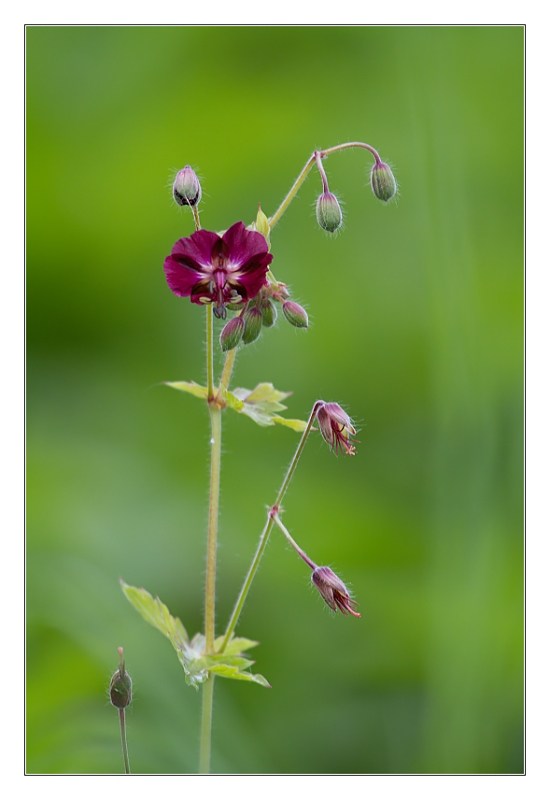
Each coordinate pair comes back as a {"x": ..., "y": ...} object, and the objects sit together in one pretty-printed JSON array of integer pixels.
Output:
[
  {"x": 213, "y": 510},
  {"x": 212, "y": 539},
  {"x": 311, "y": 564},
  {"x": 210, "y": 351}
]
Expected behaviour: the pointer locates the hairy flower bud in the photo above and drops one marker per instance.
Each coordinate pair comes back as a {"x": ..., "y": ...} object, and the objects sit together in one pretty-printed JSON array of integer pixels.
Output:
[
  {"x": 329, "y": 213},
  {"x": 232, "y": 333},
  {"x": 382, "y": 182},
  {"x": 269, "y": 313},
  {"x": 333, "y": 591},
  {"x": 336, "y": 428},
  {"x": 252, "y": 324},
  {"x": 295, "y": 314},
  {"x": 186, "y": 188},
  {"x": 120, "y": 688}
]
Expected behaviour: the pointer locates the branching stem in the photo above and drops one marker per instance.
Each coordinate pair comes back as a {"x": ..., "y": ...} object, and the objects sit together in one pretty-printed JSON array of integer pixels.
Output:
[
  {"x": 316, "y": 157},
  {"x": 264, "y": 537}
]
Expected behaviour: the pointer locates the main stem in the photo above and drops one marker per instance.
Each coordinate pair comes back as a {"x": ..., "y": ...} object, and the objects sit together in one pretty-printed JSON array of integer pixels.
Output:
[
  {"x": 212, "y": 540},
  {"x": 213, "y": 508}
]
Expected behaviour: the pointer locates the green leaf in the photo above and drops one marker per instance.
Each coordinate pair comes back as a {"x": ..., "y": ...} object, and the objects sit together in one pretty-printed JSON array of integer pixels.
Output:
[
  {"x": 196, "y": 664},
  {"x": 190, "y": 387},
  {"x": 156, "y": 613},
  {"x": 232, "y": 401},
  {"x": 234, "y": 645},
  {"x": 296, "y": 424},
  {"x": 262, "y": 405},
  {"x": 264, "y": 394},
  {"x": 232, "y": 672}
]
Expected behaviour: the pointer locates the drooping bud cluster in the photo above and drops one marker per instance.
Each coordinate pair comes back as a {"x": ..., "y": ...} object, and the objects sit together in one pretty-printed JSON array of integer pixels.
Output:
[
  {"x": 383, "y": 183},
  {"x": 261, "y": 312},
  {"x": 186, "y": 189},
  {"x": 336, "y": 428},
  {"x": 120, "y": 688}
]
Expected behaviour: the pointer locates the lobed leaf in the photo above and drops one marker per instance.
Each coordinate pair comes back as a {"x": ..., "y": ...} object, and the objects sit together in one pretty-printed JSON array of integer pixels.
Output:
[
  {"x": 262, "y": 405},
  {"x": 196, "y": 664}
]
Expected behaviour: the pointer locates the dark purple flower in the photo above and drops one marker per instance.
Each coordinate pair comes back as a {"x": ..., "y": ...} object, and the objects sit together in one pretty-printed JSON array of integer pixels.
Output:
[
  {"x": 333, "y": 591},
  {"x": 228, "y": 269},
  {"x": 336, "y": 428}
]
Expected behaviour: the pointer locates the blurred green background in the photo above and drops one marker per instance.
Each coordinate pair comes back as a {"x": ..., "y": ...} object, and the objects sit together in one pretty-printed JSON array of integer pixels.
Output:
[{"x": 416, "y": 315}]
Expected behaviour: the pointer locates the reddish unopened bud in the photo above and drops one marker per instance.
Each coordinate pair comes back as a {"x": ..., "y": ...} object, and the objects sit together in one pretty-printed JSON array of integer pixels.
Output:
[
  {"x": 336, "y": 428},
  {"x": 333, "y": 591},
  {"x": 252, "y": 324},
  {"x": 186, "y": 188},
  {"x": 329, "y": 213},
  {"x": 120, "y": 689},
  {"x": 232, "y": 333},
  {"x": 269, "y": 313},
  {"x": 382, "y": 182},
  {"x": 295, "y": 314}
]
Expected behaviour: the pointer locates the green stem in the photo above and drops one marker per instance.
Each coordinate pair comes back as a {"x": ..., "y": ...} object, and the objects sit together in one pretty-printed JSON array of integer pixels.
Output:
[
  {"x": 264, "y": 537},
  {"x": 122, "y": 718},
  {"x": 210, "y": 351},
  {"x": 213, "y": 510},
  {"x": 311, "y": 564},
  {"x": 317, "y": 155},
  {"x": 206, "y": 725},
  {"x": 290, "y": 196},
  {"x": 212, "y": 538},
  {"x": 228, "y": 368}
]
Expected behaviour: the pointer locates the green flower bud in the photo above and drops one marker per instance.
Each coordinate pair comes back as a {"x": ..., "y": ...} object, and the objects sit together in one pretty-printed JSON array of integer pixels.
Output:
[
  {"x": 120, "y": 689},
  {"x": 382, "y": 182},
  {"x": 186, "y": 188},
  {"x": 295, "y": 314},
  {"x": 329, "y": 213},
  {"x": 269, "y": 313},
  {"x": 252, "y": 324},
  {"x": 232, "y": 333}
]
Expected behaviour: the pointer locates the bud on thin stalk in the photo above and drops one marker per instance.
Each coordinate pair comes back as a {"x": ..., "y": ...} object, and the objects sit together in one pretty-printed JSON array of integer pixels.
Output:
[
  {"x": 329, "y": 213},
  {"x": 120, "y": 692},
  {"x": 382, "y": 181},
  {"x": 186, "y": 189}
]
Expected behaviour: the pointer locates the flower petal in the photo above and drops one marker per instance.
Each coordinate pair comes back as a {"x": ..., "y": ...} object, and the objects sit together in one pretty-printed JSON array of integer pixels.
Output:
[
  {"x": 180, "y": 278},
  {"x": 244, "y": 245},
  {"x": 196, "y": 250}
]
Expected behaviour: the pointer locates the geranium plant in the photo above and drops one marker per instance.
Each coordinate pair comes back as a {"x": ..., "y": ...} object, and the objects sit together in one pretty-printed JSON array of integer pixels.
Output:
[{"x": 231, "y": 274}]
